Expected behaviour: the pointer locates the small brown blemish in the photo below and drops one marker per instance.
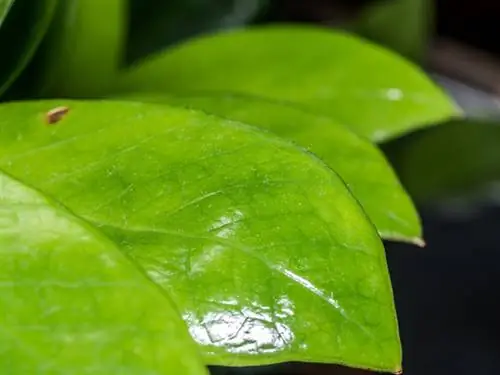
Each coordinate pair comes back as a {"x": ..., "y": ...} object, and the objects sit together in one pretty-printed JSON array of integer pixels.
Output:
[{"x": 56, "y": 114}]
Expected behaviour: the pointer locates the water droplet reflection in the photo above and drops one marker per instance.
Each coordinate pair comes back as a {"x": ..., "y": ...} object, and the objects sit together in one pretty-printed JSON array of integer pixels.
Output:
[
  {"x": 394, "y": 94},
  {"x": 251, "y": 330},
  {"x": 226, "y": 225}
]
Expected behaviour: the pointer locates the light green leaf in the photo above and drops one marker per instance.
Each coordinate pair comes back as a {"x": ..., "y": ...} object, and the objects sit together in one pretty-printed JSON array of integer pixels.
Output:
[
  {"x": 266, "y": 254},
  {"x": 73, "y": 304},
  {"x": 84, "y": 48},
  {"x": 22, "y": 30},
  {"x": 375, "y": 92},
  {"x": 361, "y": 165}
]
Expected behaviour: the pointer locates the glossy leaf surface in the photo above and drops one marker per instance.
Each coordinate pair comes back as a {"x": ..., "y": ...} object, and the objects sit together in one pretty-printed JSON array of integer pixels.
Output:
[
  {"x": 72, "y": 303},
  {"x": 358, "y": 162},
  {"x": 21, "y": 33},
  {"x": 264, "y": 250},
  {"x": 375, "y": 92},
  {"x": 84, "y": 48}
]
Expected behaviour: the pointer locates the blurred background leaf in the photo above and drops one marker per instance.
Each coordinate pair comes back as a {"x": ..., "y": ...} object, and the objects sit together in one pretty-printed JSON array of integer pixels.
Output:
[
  {"x": 84, "y": 48},
  {"x": 453, "y": 159},
  {"x": 154, "y": 25},
  {"x": 5, "y": 6},
  {"x": 402, "y": 25},
  {"x": 24, "y": 26},
  {"x": 405, "y": 26}
]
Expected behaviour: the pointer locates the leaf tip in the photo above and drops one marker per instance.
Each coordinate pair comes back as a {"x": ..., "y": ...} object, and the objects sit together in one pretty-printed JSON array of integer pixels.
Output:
[{"x": 418, "y": 241}]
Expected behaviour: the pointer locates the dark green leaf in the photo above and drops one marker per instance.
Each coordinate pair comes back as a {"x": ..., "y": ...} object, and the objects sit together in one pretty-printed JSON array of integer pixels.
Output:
[
  {"x": 73, "y": 304},
  {"x": 402, "y": 25},
  {"x": 452, "y": 159},
  {"x": 84, "y": 48},
  {"x": 20, "y": 35},
  {"x": 375, "y": 92},
  {"x": 5, "y": 6},
  {"x": 154, "y": 25},
  {"x": 264, "y": 250},
  {"x": 359, "y": 163}
]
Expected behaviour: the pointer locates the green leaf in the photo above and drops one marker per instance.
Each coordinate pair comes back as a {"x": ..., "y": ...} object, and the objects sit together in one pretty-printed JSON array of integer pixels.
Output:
[
  {"x": 21, "y": 32},
  {"x": 453, "y": 159},
  {"x": 5, "y": 6},
  {"x": 375, "y": 92},
  {"x": 73, "y": 304},
  {"x": 358, "y": 162},
  {"x": 265, "y": 252},
  {"x": 382, "y": 20},
  {"x": 84, "y": 48},
  {"x": 154, "y": 25}
]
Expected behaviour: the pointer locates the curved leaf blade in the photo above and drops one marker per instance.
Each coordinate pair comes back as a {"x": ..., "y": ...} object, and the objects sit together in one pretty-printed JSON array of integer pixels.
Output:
[
  {"x": 264, "y": 250},
  {"x": 362, "y": 166},
  {"x": 375, "y": 92},
  {"x": 66, "y": 299},
  {"x": 33, "y": 18}
]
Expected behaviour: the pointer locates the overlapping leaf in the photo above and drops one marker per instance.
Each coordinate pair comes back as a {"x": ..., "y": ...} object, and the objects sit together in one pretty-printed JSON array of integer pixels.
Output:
[
  {"x": 359, "y": 163},
  {"x": 72, "y": 303},
  {"x": 376, "y": 93},
  {"x": 265, "y": 252}
]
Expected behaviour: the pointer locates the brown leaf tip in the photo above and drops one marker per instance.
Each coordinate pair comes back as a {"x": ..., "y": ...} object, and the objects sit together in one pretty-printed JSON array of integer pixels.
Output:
[{"x": 56, "y": 114}]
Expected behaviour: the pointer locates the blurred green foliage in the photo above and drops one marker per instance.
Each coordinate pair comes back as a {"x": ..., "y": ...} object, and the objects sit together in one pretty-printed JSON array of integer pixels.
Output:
[
  {"x": 157, "y": 24},
  {"x": 451, "y": 160},
  {"x": 405, "y": 26},
  {"x": 22, "y": 29}
]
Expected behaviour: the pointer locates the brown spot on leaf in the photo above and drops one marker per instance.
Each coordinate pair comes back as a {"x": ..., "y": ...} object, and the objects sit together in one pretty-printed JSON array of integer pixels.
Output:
[{"x": 56, "y": 114}]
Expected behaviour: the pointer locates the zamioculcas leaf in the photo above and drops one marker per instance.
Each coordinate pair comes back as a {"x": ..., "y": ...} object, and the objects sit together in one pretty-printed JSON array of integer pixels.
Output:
[
  {"x": 155, "y": 24},
  {"x": 375, "y": 92},
  {"x": 470, "y": 164},
  {"x": 84, "y": 47},
  {"x": 265, "y": 252},
  {"x": 379, "y": 20},
  {"x": 22, "y": 31},
  {"x": 5, "y": 6},
  {"x": 73, "y": 304},
  {"x": 358, "y": 162}
]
